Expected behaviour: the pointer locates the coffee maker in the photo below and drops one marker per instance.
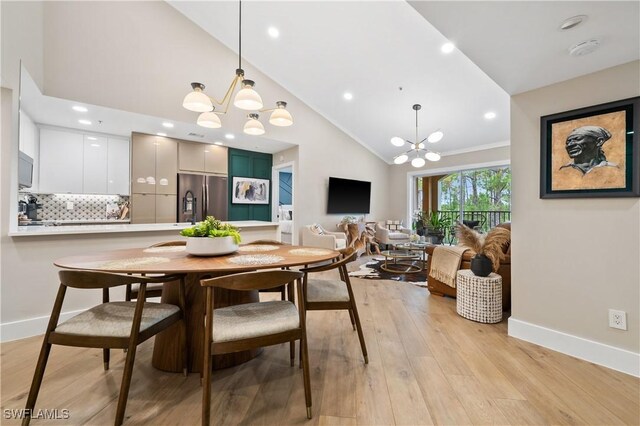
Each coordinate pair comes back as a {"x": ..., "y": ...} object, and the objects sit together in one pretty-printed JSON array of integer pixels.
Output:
[{"x": 32, "y": 207}]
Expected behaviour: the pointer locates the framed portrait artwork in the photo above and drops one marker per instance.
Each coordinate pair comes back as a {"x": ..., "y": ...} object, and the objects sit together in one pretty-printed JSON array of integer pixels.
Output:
[
  {"x": 250, "y": 190},
  {"x": 591, "y": 152}
]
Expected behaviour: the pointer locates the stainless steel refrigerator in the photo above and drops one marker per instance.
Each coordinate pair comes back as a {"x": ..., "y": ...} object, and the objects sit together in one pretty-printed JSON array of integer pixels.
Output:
[{"x": 208, "y": 197}]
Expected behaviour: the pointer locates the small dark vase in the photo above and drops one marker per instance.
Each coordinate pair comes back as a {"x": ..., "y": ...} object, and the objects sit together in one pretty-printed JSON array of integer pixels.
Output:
[{"x": 481, "y": 265}]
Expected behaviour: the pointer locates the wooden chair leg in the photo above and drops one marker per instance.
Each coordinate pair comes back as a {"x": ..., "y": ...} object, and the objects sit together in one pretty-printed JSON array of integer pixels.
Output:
[
  {"x": 127, "y": 293},
  {"x": 37, "y": 380},
  {"x": 353, "y": 320},
  {"x": 363, "y": 345},
  {"x": 292, "y": 352},
  {"x": 305, "y": 374},
  {"x": 106, "y": 354},
  {"x": 126, "y": 383}
]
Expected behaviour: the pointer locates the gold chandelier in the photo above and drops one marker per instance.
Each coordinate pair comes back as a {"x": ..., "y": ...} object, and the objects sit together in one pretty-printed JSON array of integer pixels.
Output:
[{"x": 246, "y": 98}]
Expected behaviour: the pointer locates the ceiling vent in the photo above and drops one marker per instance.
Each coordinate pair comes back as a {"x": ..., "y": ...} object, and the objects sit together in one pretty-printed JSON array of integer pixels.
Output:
[
  {"x": 584, "y": 47},
  {"x": 196, "y": 135}
]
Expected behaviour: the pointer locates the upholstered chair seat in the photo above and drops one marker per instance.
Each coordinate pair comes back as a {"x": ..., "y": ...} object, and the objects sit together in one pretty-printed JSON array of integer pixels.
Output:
[
  {"x": 254, "y": 320},
  {"x": 327, "y": 291},
  {"x": 114, "y": 319}
]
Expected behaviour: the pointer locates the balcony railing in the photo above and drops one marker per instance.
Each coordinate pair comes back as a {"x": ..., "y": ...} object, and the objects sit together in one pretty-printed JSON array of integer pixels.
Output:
[{"x": 486, "y": 219}]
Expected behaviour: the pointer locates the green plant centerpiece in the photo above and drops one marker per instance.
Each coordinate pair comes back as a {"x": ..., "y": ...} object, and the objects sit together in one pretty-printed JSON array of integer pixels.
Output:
[{"x": 211, "y": 237}]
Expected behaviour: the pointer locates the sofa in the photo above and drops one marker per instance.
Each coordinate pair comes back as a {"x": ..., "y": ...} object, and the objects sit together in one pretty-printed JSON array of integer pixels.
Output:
[
  {"x": 441, "y": 289},
  {"x": 316, "y": 236},
  {"x": 387, "y": 236}
]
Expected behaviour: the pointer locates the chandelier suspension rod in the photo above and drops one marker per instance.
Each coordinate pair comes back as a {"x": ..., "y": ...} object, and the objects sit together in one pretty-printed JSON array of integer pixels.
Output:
[
  {"x": 416, "y": 140},
  {"x": 240, "y": 35}
]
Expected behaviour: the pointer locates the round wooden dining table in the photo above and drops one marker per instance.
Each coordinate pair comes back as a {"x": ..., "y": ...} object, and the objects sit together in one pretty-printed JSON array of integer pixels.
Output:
[{"x": 167, "y": 352}]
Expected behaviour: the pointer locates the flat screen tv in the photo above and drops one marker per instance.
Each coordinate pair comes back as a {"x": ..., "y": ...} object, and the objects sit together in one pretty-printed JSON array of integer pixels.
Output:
[{"x": 348, "y": 196}]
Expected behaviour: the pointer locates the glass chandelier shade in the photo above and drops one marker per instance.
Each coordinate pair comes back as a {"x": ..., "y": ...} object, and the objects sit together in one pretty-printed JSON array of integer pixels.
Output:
[
  {"x": 280, "y": 116},
  {"x": 253, "y": 126},
  {"x": 209, "y": 120},
  {"x": 418, "y": 162},
  {"x": 197, "y": 100},
  {"x": 396, "y": 141},
  {"x": 432, "y": 156},
  {"x": 401, "y": 159},
  {"x": 435, "y": 136},
  {"x": 247, "y": 98}
]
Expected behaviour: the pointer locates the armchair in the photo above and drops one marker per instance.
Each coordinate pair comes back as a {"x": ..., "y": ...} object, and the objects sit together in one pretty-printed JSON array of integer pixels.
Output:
[
  {"x": 385, "y": 235},
  {"x": 441, "y": 289},
  {"x": 316, "y": 236}
]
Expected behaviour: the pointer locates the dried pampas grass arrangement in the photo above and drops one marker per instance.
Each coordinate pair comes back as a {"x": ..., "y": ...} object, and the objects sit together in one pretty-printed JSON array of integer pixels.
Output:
[{"x": 491, "y": 245}]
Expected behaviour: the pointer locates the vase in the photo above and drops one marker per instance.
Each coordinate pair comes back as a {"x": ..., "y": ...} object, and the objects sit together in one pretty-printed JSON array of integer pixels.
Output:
[
  {"x": 481, "y": 265},
  {"x": 211, "y": 246}
]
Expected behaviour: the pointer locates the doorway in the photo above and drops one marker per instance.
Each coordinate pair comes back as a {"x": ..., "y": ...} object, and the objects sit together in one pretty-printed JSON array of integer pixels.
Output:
[{"x": 283, "y": 201}]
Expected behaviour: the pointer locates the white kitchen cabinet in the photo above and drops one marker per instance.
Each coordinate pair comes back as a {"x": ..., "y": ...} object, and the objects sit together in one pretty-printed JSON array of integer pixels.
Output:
[
  {"x": 29, "y": 141},
  {"x": 94, "y": 179},
  {"x": 118, "y": 166},
  {"x": 216, "y": 159},
  {"x": 61, "y": 161}
]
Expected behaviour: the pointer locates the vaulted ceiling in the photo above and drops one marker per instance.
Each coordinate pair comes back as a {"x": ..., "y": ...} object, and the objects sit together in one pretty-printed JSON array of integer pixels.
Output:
[{"x": 388, "y": 56}]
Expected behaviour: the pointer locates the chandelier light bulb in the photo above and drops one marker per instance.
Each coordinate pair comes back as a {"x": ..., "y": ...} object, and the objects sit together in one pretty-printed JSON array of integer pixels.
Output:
[
  {"x": 435, "y": 136},
  {"x": 247, "y": 98},
  {"x": 209, "y": 120},
  {"x": 196, "y": 100},
  {"x": 432, "y": 156},
  {"x": 418, "y": 162},
  {"x": 421, "y": 145},
  {"x": 280, "y": 116},
  {"x": 396, "y": 141},
  {"x": 253, "y": 126},
  {"x": 401, "y": 159}
]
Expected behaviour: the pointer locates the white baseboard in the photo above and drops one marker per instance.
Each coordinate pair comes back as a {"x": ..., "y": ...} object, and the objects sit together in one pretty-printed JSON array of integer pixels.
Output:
[
  {"x": 598, "y": 353},
  {"x": 30, "y": 327}
]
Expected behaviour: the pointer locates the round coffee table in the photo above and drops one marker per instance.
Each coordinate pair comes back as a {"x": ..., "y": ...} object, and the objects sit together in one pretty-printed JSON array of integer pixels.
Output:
[{"x": 402, "y": 261}]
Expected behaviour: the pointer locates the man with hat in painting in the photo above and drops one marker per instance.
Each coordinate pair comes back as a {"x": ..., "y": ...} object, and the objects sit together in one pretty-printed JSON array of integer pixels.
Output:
[{"x": 584, "y": 146}]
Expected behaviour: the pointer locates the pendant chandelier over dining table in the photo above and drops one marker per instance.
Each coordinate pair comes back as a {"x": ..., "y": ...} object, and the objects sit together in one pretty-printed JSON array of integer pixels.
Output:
[
  {"x": 418, "y": 149},
  {"x": 246, "y": 99}
]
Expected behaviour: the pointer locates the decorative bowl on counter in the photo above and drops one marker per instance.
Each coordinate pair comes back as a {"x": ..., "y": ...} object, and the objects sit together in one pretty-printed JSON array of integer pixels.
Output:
[
  {"x": 211, "y": 237},
  {"x": 211, "y": 246}
]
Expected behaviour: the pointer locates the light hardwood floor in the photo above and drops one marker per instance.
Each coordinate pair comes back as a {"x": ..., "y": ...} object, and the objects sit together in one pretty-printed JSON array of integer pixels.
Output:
[{"x": 426, "y": 365}]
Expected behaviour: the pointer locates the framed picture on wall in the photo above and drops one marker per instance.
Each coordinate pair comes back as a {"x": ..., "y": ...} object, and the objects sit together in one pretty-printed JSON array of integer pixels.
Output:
[
  {"x": 250, "y": 190},
  {"x": 591, "y": 152}
]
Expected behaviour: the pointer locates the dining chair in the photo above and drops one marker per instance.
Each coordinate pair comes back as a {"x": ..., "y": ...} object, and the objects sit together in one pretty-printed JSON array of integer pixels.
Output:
[
  {"x": 282, "y": 289},
  {"x": 252, "y": 325},
  {"x": 332, "y": 294},
  {"x": 155, "y": 289},
  {"x": 109, "y": 325}
]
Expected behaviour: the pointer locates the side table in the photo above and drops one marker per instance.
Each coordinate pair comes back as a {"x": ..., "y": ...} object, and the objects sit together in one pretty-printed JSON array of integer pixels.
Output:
[{"x": 479, "y": 298}]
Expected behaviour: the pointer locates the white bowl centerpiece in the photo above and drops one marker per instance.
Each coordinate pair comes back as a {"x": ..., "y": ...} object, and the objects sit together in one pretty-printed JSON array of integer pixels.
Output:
[{"x": 211, "y": 237}]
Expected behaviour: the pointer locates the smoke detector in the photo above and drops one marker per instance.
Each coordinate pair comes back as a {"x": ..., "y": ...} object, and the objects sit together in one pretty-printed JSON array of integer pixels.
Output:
[
  {"x": 584, "y": 47},
  {"x": 572, "y": 22}
]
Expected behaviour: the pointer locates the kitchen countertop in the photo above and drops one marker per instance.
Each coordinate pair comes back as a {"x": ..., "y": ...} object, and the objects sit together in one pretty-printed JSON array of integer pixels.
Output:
[{"x": 26, "y": 231}]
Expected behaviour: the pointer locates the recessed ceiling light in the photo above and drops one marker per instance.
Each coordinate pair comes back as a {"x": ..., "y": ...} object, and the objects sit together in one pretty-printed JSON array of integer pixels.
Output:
[
  {"x": 161, "y": 134},
  {"x": 584, "y": 47},
  {"x": 167, "y": 125},
  {"x": 85, "y": 122},
  {"x": 490, "y": 115},
  {"x": 273, "y": 32},
  {"x": 348, "y": 96},
  {"x": 573, "y": 22},
  {"x": 218, "y": 143},
  {"x": 79, "y": 108},
  {"x": 91, "y": 138},
  {"x": 229, "y": 136},
  {"x": 447, "y": 47}
]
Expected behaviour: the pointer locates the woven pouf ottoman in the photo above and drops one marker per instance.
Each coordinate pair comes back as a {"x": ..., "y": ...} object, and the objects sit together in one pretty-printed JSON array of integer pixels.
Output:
[{"x": 479, "y": 298}]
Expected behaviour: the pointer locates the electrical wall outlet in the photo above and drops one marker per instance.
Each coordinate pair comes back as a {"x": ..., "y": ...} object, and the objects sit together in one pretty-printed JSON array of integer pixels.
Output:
[
  {"x": 617, "y": 319},
  {"x": 69, "y": 205}
]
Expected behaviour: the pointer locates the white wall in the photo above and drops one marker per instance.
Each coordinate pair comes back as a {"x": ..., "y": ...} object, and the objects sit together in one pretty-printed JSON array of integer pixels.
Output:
[
  {"x": 141, "y": 57},
  {"x": 398, "y": 194},
  {"x": 573, "y": 259}
]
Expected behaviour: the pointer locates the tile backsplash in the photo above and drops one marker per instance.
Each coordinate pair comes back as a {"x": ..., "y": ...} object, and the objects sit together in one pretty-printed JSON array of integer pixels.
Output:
[{"x": 85, "y": 207}]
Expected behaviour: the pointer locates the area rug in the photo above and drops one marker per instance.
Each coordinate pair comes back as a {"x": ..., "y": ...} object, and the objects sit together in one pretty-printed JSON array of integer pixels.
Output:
[{"x": 371, "y": 270}]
